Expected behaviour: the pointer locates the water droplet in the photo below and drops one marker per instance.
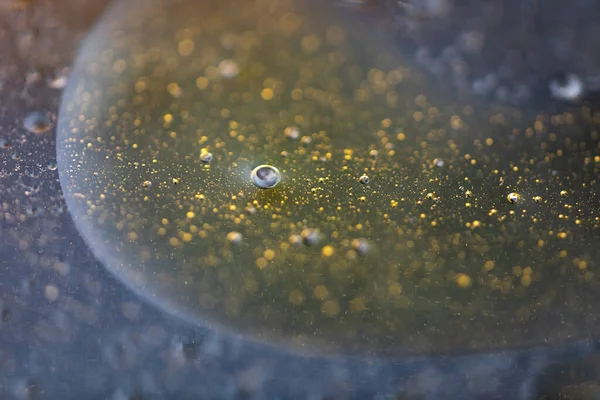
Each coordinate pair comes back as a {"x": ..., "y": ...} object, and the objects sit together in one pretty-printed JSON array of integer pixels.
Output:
[
  {"x": 364, "y": 179},
  {"x": 37, "y": 122},
  {"x": 52, "y": 165},
  {"x": 361, "y": 246},
  {"x": 147, "y": 184},
  {"x": 59, "y": 78},
  {"x": 206, "y": 157},
  {"x": 235, "y": 237},
  {"x": 292, "y": 132},
  {"x": 310, "y": 237},
  {"x": 567, "y": 87},
  {"x": 513, "y": 198},
  {"x": 5, "y": 143},
  {"x": 229, "y": 69},
  {"x": 265, "y": 176}
]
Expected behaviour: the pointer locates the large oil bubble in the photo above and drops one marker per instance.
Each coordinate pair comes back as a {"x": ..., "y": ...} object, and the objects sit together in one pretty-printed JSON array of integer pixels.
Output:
[{"x": 385, "y": 219}]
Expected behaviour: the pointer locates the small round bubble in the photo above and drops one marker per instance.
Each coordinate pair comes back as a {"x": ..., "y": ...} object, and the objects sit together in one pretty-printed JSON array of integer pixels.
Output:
[
  {"x": 206, "y": 157},
  {"x": 513, "y": 198},
  {"x": 266, "y": 176}
]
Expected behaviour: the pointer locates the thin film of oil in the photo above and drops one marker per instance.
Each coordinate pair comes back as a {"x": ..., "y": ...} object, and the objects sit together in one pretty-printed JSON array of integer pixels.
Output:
[{"x": 398, "y": 222}]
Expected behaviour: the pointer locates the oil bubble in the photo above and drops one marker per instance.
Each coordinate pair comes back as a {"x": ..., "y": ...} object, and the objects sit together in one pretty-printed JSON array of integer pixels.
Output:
[{"x": 318, "y": 262}]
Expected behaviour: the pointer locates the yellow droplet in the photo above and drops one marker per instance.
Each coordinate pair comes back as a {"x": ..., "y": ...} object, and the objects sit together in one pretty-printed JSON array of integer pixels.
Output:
[
  {"x": 262, "y": 263},
  {"x": 185, "y": 47},
  {"x": 489, "y": 265},
  {"x": 463, "y": 280},
  {"x": 327, "y": 251},
  {"x": 269, "y": 254},
  {"x": 266, "y": 94}
]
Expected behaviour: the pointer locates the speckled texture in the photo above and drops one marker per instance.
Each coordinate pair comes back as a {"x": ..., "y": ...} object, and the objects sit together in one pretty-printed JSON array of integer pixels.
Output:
[{"x": 69, "y": 330}]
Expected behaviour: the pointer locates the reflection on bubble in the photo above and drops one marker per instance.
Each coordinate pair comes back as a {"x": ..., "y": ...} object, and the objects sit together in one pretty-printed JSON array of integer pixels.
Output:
[{"x": 170, "y": 108}]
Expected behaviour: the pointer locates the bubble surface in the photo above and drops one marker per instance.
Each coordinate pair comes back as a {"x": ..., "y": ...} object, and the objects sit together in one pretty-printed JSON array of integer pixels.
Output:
[
  {"x": 408, "y": 264},
  {"x": 265, "y": 176}
]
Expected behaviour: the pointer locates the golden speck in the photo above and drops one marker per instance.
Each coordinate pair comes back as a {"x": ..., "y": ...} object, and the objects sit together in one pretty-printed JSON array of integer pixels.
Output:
[
  {"x": 266, "y": 94},
  {"x": 489, "y": 265},
  {"x": 564, "y": 193},
  {"x": 269, "y": 254},
  {"x": 262, "y": 263},
  {"x": 327, "y": 251},
  {"x": 526, "y": 280},
  {"x": 561, "y": 235},
  {"x": 537, "y": 199},
  {"x": 185, "y": 47},
  {"x": 463, "y": 280}
]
